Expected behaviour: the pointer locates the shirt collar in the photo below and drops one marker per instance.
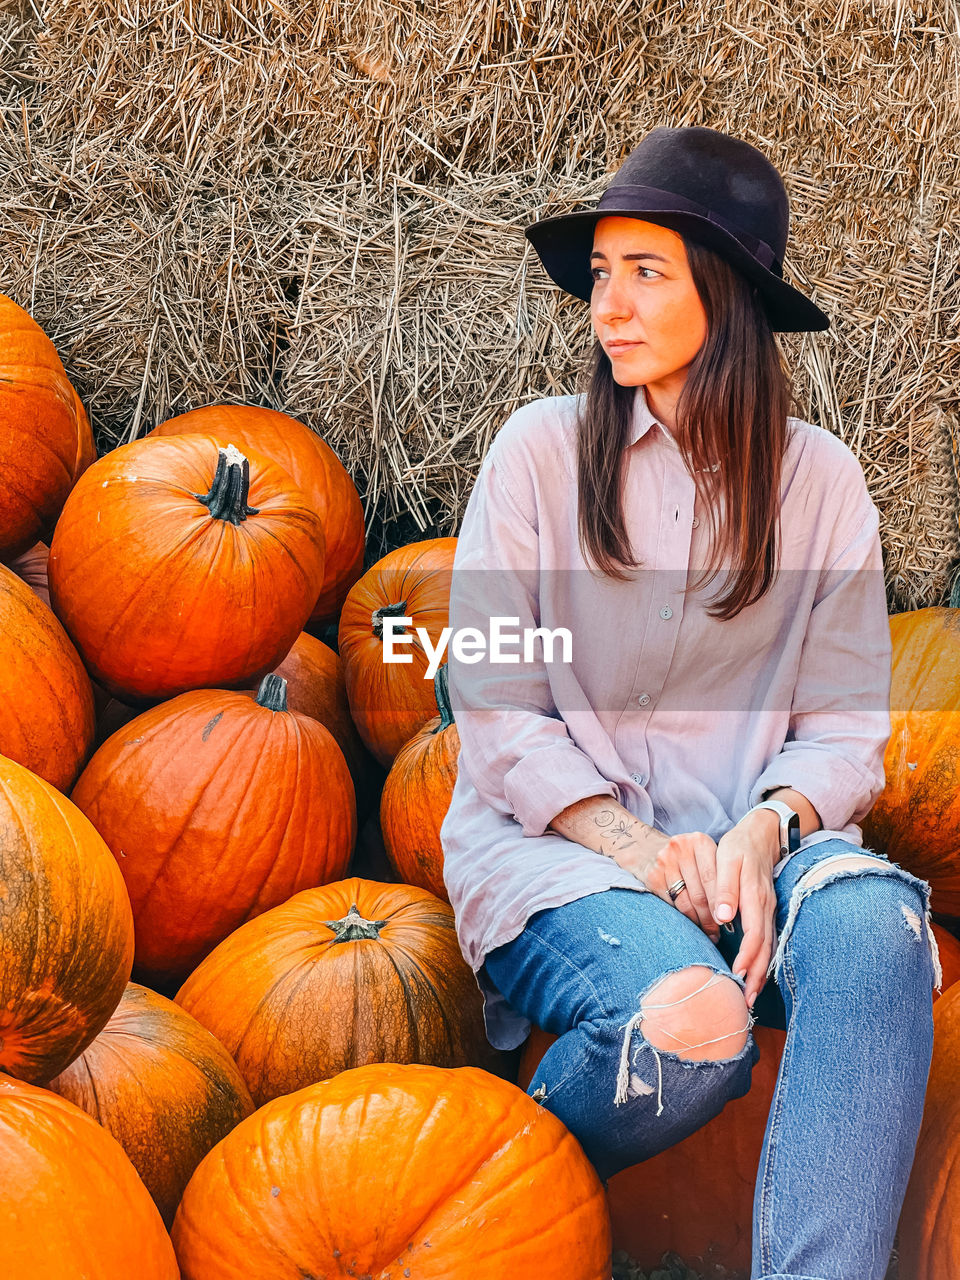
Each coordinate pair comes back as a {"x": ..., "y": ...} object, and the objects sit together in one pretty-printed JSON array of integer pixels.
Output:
[{"x": 642, "y": 420}]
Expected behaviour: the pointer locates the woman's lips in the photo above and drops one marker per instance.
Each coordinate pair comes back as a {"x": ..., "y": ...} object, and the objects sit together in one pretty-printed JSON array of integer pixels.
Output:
[{"x": 620, "y": 348}]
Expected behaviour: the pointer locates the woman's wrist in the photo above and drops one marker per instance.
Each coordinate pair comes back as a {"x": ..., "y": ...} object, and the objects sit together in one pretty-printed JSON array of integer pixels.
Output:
[{"x": 604, "y": 825}]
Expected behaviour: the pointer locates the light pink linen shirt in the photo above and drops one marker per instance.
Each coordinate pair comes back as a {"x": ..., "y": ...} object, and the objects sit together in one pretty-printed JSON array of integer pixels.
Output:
[{"x": 686, "y": 720}]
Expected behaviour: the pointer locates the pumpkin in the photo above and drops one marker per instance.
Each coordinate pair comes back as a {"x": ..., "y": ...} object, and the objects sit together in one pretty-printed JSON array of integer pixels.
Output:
[
  {"x": 66, "y": 932},
  {"x": 314, "y": 676},
  {"x": 312, "y": 465},
  {"x": 339, "y": 976},
  {"x": 217, "y": 807},
  {"x": 315, "y": 686},
  {"x": 86, "y": 449},
  {"x": 176, "y": 565},
  {"x": 165, "y": 1088},
  {"x": 71, "y": 1204},
  {"x": 396, "y": 1170},
  {"x": 389, "y": 701},
  {"x": 695, "y": 1198},
  {"x": 38, "y": 430},
  {"x": 928, "y": 1237},
  {"x": 416, "y": 796},
  {"x": 46, "y": 702},
  {"x": 916, "y": 817}
]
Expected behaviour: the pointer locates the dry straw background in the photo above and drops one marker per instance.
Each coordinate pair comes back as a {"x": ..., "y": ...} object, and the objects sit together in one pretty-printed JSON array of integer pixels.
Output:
[{"x": 319, "y": 207}]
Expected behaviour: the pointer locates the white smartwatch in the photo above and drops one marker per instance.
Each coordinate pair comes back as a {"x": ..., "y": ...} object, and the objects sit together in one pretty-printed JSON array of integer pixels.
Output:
[{"x": 789, "y": 824}]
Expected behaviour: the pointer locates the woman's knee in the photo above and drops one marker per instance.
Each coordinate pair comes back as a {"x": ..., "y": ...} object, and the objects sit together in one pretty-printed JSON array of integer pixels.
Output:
[
  {"x": 862, "y": 914},
  {"x": 696, "y": 1013}
]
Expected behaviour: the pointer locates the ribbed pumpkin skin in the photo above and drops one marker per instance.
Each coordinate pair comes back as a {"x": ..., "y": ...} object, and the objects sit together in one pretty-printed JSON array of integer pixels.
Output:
[
  {"x": 414, "y": 802},
  {"x": 389, "y": 702},
  {"x": 165, "y": 1088},
  {"x": 315, "y": 686},
  {"x": 46, "y": 701},
  {"x": 397, "y": 1170},
  {"x": 216, "y": 809},
  {"x": 696, "y": 1197},
  {"x": 38, "y": 430},
  {"x": 86, "y": 448},
  {"x": 292, "y": 1005},
  {"x": 71, "y": 1204},
  {"x": 916, "y": 819},
  {"x": 929, "y": 1231},
  {"x": 314, "y": 468},
  {"x": 159, "y": 595},
  {"x": 66, "y": 932}
]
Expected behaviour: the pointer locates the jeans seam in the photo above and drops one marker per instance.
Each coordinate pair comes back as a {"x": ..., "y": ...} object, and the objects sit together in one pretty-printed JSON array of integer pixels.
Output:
[{"x": 765, "y": 1226}]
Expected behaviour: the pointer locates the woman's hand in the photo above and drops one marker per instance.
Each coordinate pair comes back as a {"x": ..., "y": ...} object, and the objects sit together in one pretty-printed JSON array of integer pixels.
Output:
[
  {"x": 746, "y": 856},
  {"x": 692, "y": 857}
]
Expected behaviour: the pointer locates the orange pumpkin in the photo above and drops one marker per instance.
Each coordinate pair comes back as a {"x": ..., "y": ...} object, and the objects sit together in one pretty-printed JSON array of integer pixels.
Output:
[
  {"x": 389, "y": 701},
  {"x": 38, "y": 430},
  {"x": 339, "y": 976},
  {"x": 394, "y": 1170},
  {"x": 165, "y": 1088},
  {"x": 46, "y": 702},
  {"x": 313, "y": 467},
  {"x": 928, "y": 1240},
  {"x": 416, "y": 796},
  {"x": 916, "y": 818},
  {"x": 217, "y": 807},
  {"x": 696, "y": 1197},
  {"x": 176, "y": 565},
  {"x": 72, "y": 1204},
  {"x": 86, "y": 449},
  {"x": 315, "y": 686},
  {"x": 66, "y": 933}
]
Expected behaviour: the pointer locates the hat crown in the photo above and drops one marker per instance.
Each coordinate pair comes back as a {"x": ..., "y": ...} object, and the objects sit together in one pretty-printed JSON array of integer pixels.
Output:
[{"x": 728, "y": 177}]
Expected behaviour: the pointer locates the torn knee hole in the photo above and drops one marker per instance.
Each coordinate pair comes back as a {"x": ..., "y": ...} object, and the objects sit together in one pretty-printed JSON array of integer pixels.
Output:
[{"x": 697, "y": 1014}]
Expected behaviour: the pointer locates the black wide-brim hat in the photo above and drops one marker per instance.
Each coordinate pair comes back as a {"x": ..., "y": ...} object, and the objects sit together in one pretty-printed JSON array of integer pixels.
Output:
[{"x": 708, "y": 187}]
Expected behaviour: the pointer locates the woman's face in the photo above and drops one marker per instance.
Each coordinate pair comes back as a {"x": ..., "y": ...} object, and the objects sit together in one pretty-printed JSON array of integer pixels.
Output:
[{"x": 645, "y": 308}]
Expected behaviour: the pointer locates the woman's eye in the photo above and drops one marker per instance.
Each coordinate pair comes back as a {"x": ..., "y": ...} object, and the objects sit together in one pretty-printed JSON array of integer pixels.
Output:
[
  {"x": 650, "y": 272},
  {"x": 595, "y": 272}
]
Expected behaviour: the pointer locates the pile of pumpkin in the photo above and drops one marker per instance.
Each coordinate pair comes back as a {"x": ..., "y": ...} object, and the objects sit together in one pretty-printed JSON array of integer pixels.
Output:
[{"x": 183, "y": 772}]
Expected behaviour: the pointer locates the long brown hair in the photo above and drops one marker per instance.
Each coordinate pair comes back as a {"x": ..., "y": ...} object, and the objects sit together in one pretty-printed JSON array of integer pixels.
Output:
[{"x": 733, "y": 409}]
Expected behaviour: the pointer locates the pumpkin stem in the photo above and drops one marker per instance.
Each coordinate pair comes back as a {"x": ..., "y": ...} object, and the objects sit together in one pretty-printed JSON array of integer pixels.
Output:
[
  {"x": 227, "y": 498},
  {"x": 354, "y": 925},
  {"x": 272, "y": 693},
  {"x": 441, "y": 691},
  {"x": 955, "y": 593},
  {"x": 386, "y": 611}
]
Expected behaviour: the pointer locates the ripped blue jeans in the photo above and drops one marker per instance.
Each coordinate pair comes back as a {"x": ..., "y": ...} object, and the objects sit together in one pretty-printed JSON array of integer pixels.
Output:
[{"x": 855, "y": 963}]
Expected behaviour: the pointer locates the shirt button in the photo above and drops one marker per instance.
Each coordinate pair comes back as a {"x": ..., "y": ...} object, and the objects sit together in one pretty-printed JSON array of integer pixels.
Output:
[
  {"x": 696, "y": 521},
  {"x": 639, "y": 778},
  {"x": 643, "y": 699},
  {"x": 666, "y": 612}
]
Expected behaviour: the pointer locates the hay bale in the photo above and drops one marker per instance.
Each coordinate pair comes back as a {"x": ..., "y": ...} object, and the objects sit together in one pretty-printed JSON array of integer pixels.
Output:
[{"x": 320, "y": 208}]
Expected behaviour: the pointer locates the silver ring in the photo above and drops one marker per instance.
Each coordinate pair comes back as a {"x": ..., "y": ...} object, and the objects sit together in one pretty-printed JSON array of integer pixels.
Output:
[{"x": 674, "y": 890}]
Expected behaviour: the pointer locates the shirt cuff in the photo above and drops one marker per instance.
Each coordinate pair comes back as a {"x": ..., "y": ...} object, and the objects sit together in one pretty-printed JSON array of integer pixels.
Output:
[
  {"x": 836, "y": 788},
  {"x": 545, "y": 781}
]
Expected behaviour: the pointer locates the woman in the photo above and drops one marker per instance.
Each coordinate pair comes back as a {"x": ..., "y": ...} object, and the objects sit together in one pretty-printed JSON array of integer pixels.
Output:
[{"x": 610, "y": 815}]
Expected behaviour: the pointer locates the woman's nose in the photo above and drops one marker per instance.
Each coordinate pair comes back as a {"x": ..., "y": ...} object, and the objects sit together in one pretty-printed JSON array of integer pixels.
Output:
[{"x": 610, "y": 300}]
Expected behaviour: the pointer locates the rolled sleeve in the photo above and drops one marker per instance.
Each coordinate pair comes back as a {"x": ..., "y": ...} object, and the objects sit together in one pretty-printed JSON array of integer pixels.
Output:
[
  {"x": 514, "y": 745},
  {"x": 840, "y": 715}
]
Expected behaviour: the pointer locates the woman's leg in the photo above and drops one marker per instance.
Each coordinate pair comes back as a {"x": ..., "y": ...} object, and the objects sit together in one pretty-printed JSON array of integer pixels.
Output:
[
  {"x": 654, "y": 1032},
  {"x": 856, "y": 963}
]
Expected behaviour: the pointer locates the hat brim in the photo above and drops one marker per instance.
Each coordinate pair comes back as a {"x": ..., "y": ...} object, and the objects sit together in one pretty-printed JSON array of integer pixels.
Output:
[{"x": 564, "y": 243}]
